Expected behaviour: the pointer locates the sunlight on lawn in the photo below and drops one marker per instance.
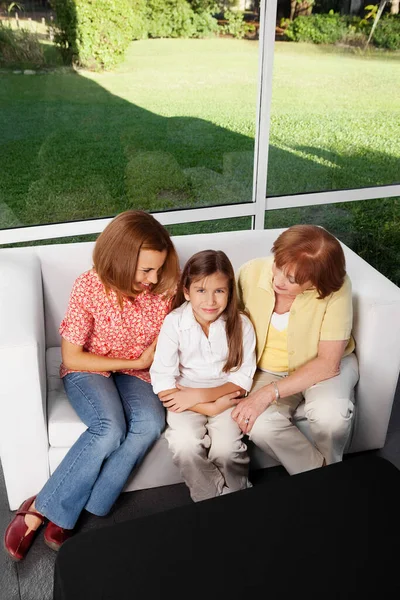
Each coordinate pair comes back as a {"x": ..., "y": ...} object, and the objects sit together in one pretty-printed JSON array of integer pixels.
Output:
[{"x": 174, "y": 126}]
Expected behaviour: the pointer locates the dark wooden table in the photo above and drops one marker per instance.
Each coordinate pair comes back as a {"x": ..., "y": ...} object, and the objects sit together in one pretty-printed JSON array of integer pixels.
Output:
[{"x": 332, "y": 533}]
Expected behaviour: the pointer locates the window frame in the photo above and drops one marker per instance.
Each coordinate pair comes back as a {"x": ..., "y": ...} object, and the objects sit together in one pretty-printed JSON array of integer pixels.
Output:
[{"x": 260, "y": 202}]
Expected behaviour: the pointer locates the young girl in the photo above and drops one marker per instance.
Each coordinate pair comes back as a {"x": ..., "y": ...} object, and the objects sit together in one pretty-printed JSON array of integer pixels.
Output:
[
  {"x": 114, "y": 316},
  {"x": 204, "y": 360}
]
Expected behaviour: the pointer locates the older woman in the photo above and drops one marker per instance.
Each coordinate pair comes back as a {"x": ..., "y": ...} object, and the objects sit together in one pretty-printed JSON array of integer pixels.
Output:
[{"x": 301, "y": 306}]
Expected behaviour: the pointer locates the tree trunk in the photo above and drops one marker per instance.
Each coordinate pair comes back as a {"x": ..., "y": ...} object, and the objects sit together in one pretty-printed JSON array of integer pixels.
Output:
[
  {"x": 300, "y": 8},
  {"x": 394, "y": 8}
]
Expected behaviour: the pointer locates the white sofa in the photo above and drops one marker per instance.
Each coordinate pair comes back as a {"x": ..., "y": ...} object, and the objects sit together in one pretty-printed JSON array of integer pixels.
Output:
[{"x": 37, "y": 424}]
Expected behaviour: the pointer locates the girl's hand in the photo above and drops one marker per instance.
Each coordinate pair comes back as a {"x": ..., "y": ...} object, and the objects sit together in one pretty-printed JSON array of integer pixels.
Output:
[
  {"x": 248, "y": 409},
  {"x": 224, "y": 402},
  {"x": 181, "y": 398},
  {"x": 146, "y": 358}
]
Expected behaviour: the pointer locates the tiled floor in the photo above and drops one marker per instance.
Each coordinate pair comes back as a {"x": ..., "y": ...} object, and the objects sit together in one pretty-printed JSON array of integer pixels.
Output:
[{"x": 32, "y": 579}]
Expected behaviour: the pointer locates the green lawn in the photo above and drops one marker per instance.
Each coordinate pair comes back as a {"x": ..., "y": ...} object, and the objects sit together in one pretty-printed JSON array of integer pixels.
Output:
[{"x": 173, "y": 126}]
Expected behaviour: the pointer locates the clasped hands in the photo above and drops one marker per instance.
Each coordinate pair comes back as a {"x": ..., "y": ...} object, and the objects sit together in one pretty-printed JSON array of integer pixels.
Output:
[{"x": 183, "y": 398}]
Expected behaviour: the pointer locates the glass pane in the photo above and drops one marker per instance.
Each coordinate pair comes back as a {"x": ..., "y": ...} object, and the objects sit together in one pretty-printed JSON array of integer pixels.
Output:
[
  {"x": 234, "y": 224},
  {"x": 171, "y": 127},
  {"x": 369, "y": 227},
  {"x": 335, "y": 110}
]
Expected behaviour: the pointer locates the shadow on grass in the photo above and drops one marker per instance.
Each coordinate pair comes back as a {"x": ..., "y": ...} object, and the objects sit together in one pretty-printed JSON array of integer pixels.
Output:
[{"x": 71, "y": 150}]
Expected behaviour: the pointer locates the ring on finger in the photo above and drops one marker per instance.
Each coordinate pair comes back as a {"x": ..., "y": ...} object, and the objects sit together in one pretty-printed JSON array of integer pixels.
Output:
[{"x": 247, "y": 421}]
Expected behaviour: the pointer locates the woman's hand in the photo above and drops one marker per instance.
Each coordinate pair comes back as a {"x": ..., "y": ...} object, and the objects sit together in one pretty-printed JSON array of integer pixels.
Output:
[
  {"x": 251, "y": 407},
  {"x": 146, "y": 358}
]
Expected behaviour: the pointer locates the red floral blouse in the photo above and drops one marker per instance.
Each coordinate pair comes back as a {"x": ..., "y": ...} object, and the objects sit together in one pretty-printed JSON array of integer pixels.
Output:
[{"x": 94, "y": 320}]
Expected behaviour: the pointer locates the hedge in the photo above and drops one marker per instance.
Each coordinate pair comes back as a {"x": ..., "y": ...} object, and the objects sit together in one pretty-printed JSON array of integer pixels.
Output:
[{"x": 94, "y": 33}]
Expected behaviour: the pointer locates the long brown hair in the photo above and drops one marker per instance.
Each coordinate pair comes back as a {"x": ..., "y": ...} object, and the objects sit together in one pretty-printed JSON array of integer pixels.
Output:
[
  {"x": 206, "y": 263},
  {"x": 314, "y": 254},
  {"x": 117, "y": 249}
]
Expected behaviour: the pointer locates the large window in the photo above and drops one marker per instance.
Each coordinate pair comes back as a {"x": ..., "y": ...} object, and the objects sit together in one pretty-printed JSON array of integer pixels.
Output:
[{"x": 213, "y": 134}]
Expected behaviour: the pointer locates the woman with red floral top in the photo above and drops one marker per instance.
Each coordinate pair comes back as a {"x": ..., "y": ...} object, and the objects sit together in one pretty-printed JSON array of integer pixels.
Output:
[{"x": 109, "y": 333}]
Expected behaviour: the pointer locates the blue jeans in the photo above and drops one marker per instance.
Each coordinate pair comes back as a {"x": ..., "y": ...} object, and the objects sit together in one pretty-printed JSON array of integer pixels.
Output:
[{"x": 123, "y": 418}]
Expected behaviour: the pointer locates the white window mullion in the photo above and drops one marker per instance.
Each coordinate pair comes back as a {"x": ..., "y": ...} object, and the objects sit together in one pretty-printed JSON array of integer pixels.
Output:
[
  {"x": 329, "y": 197},
  {"x": 268, "y": 9}
]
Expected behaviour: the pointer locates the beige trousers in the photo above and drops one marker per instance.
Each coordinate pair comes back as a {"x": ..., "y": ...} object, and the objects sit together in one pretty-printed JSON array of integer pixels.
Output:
[
  {"x": 209, "y": 452},
  {"x": 329, "y": 407}
]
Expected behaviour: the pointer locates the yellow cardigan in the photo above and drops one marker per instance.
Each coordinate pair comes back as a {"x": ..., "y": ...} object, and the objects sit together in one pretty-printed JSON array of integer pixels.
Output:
[{"x": 310, "y": 320}]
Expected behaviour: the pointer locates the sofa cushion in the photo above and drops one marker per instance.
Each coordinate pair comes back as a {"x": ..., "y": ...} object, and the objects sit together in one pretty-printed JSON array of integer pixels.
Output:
[{"x": 64, "y": 424}]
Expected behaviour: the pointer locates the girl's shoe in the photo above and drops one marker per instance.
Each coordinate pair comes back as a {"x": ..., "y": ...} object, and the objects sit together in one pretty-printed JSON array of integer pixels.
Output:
[
  {"x": 55, "y": 536},
  {"x": 16, "y": 543}
]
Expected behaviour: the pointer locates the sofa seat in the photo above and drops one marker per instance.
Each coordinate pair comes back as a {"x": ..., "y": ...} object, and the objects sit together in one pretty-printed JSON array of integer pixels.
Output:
[{"x": 64, "y": 428}]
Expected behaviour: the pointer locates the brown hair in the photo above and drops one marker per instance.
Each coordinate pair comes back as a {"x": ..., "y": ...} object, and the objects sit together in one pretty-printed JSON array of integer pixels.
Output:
[
  {"x": 117, "y": 249},
  {"x": 206, "y": 263},
  {"x": 314, "y": 255}
]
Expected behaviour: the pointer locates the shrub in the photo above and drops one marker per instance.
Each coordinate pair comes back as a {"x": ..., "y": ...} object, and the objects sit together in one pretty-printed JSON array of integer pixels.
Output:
[
  {"x": 94, "y": 33},
  {"x": 319, "y": 29},
  {"x": 176, "y": 18},
  {"x": 170, "y": 18},
  {"x": 387, "y": 33},
  {"x": 236, "y": 25},
  {"x": 204, "y": 24},
  {"x": 19, "y": 48},
  {"x": 140, "y": 21}
]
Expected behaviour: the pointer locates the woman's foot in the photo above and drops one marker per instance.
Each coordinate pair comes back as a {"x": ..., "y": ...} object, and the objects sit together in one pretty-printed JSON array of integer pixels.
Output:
[
  {"x": 55, "y": 536},
  {"x": 20, "y": 534},
  {"x": 33, "y": 519}
]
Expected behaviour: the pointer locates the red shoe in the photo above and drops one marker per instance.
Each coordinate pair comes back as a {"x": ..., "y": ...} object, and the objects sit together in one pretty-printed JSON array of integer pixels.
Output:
[
  {"x": 16, "y": 543},
  {"x": 55, "y": 536}
]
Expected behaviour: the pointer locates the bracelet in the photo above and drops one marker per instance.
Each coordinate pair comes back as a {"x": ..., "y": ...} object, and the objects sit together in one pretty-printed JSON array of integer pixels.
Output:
[{"x": 277, "y": 394}]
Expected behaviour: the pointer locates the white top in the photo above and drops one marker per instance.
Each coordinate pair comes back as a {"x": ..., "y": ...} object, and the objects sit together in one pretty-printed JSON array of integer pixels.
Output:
[
  {"x": 186, "y": 356},
  {"x": 280, "y": 322}
]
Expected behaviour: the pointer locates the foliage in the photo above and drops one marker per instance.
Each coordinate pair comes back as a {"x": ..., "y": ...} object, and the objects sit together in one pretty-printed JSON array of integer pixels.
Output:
[
  {"x": 94, "y": 33},
  {"x": 333, "y": 28},
  {"x": 140, "y": 21},
  {"x": 387, "y": 33},
  {"x": 204, "y": 25},
  {"x": 372, "y": 11},
  {"x": 178, "y": 18},
  {"x": 319, "y": 29},
  {"x": 19, "y": 48},
  {"x": 201, "y": 6},
  {"x": 170, "y": 18},
  {"x": 236, "y": 25}
]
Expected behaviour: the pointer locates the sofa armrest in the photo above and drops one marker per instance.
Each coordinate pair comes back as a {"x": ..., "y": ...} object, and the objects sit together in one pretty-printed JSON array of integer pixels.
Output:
[
  {"x": 376, "y": 330},
  {"x": 23, "y": 422}
]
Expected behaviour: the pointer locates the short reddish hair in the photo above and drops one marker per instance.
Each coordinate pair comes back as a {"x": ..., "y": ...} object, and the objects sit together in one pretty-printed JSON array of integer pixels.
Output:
[{"x": 312, "y": 254}]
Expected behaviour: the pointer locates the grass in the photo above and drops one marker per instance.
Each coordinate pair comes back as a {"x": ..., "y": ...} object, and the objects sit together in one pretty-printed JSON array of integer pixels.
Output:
[{"x": 173, "y": 126}]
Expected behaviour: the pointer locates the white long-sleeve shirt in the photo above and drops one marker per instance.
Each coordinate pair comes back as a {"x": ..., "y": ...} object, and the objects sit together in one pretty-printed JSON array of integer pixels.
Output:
[{"x": 186, "y": 356}]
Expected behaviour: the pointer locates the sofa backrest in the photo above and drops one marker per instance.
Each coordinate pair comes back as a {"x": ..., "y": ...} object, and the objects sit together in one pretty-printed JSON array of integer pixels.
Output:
[{"x": 62, "y": 263}]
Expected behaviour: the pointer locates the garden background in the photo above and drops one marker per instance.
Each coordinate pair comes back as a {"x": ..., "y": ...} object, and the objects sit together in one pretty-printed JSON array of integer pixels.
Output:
[{"x": 119, "y": 104}]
